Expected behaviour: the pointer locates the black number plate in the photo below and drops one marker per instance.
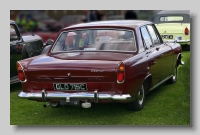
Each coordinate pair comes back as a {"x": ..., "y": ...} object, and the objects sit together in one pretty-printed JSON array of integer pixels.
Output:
[
  {"x": 70, "y": 86},
  {"x": 167, "y": 36}
]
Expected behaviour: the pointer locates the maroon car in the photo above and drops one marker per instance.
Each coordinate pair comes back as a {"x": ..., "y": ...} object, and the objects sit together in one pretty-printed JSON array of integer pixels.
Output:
[{"x": 107, "y": 61}]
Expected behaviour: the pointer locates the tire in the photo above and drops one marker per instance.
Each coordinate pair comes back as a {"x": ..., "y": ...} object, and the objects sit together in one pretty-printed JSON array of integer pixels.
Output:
[
  {"x": 173, "y": 79},
  {"x": 55, "y": 104},
  {"x": 138, "y": 104}
]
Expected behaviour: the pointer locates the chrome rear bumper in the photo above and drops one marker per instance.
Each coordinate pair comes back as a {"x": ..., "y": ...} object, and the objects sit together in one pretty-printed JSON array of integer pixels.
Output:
[
  {"x": 179, "y": 41},
  {"x": 67, "y": 96}
]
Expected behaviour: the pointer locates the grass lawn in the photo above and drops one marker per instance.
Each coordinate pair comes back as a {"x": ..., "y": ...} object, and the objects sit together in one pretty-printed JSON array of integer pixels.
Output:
[{"x": 168, "y": 104}]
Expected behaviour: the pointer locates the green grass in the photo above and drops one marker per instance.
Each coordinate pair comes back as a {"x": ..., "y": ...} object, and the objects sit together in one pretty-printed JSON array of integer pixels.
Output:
[{"x": 168, "y": 104}]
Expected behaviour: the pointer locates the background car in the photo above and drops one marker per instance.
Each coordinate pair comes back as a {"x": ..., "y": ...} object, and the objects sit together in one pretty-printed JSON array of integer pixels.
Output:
[
  {"x": 101, "y": 62},
  {"x": 21, "y": 47},
  {"x": 174, "y": 25}
]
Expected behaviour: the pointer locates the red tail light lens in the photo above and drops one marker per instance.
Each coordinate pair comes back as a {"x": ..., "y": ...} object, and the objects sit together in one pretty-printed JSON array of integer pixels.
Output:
[
  {"x": 120, "y": 76},
  {"x": 21, "y": 75},
  {"x": 121, "y": 73},
  {"x": 186, "y": 31}
]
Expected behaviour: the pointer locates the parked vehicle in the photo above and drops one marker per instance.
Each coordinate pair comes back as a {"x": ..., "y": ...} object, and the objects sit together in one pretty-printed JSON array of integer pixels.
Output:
[
  {"x": 106, "y": 61},
  {"x": 174, "y": 25},
  {"x": 21, "y": 47}
]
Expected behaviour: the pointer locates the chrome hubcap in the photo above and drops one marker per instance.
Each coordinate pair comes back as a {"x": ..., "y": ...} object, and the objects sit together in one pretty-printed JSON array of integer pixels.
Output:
[{"x": 141, "y": 95}]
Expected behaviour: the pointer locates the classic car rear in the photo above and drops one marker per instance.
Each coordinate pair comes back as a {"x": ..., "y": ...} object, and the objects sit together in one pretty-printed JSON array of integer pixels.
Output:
[
  {"x": 174, "y": 24},
  {"x": 108, "y": 61}
]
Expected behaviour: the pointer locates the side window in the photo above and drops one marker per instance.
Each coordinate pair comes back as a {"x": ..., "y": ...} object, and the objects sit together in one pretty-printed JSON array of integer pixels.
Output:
[
  {"x": 153, "y": 34},
  {"x": 146, "y": 37},
  {"x": 13, "y": 33}
]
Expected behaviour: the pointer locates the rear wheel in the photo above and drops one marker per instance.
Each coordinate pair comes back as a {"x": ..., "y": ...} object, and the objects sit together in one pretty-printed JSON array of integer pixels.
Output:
[
  {"x": 55, "y": 104},
  {"x": 138, "y": 104}
]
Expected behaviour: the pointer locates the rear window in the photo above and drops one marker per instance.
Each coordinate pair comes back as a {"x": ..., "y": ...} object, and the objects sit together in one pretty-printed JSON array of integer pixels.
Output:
[
  {"x": 96, "y": 40},
  {"x": 171, "y": 18}
]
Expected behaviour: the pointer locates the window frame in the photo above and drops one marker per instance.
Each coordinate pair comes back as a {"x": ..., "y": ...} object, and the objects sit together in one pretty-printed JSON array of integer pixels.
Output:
[
  {"x": 146, "y": 47},
  {"x": 155, "y": 34},
  {"x": 17, "y": 33},
  {"x": 84, "y": 29}
]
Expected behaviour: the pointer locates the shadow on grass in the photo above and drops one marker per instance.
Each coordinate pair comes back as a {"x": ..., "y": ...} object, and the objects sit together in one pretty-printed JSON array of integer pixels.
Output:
[{"x": 15, "y": 87}]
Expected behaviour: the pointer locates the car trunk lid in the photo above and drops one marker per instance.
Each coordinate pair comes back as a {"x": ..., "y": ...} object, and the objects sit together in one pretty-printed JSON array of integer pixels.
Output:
[
  {"x": 95, "y": 69},
  {"x": 171, "y": 28}
]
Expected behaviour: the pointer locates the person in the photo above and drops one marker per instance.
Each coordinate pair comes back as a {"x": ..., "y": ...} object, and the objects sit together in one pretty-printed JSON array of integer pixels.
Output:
[
  {"x": 91, "y": 16},
  {"x": 69, "y": 41},
  {"x": 100, "y": 15},
  {"x": 130, "y": 14},
  {"x": 82, "y": 39},
  {"x": 90, "y": 37}
]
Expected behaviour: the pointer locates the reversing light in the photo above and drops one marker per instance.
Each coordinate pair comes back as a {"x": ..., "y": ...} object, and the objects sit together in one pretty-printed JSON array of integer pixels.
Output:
[
  {"x": 186, "y": 31},
  {"x": 121, "y": 73}
]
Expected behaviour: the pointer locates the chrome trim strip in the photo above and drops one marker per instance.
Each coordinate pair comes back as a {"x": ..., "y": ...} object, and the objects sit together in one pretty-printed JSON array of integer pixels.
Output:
[
  {"x": 158, "y": 84},
  {"x": 79, "y": 95},
  {"x": 178, "y": 41}
]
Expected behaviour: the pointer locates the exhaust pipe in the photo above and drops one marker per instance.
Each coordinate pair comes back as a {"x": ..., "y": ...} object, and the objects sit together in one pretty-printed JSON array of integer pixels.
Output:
[{"x": 86, "y": 105}]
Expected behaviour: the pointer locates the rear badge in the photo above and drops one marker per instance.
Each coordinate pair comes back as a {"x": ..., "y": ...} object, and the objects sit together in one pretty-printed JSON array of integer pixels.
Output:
[
  {"x": 69, "y": 74},
  {"x": 97, "y": 70}
]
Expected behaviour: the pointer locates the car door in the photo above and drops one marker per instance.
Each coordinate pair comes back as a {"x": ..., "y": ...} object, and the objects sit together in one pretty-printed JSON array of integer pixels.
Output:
[
  {"x": 164, "y": 54},
  {"x": 151, "y": 54},
  {"x": 16, "y": 45},
  {"x": 155, "y": 53}
]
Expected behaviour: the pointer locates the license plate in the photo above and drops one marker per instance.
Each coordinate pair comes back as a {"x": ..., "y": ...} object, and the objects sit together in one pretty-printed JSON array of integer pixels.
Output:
[
  {"x": 70, "y": 86},
  {"x": 178, "y": 38},
  {"x": 167, "y": 36}
]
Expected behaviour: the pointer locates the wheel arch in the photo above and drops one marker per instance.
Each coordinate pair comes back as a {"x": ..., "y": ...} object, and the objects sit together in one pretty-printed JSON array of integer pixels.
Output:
[
  {"x": 147, "y": 83},
  {"x": 178, "y": 59}
]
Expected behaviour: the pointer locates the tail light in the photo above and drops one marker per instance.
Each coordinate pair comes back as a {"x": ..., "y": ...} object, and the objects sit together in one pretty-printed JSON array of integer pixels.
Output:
[
  {"x": 20, "y": 71},
  {"x": 121, "y": 73},
  {"x": 186, "y": 31}
]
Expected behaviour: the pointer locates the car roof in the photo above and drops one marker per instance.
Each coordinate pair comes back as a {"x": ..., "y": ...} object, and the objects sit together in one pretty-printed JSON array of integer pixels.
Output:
[
  {"x": 112, "y": 23},
  {"x": 184, "y": 13},
  {"x": 174, "y": 12}
]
